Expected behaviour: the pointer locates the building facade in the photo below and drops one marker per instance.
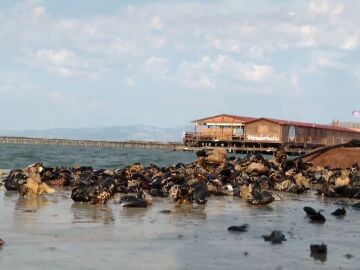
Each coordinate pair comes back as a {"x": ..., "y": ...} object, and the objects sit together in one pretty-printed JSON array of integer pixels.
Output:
[{"x": 231, "y": 130}]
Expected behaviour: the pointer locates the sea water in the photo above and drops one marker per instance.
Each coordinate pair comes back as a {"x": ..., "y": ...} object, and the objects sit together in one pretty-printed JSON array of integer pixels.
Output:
[{"x": 19, "y": 156}]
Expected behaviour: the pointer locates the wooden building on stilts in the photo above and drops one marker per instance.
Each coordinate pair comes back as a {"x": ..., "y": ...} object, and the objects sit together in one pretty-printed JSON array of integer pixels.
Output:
[{"x": 261, "y": 134}]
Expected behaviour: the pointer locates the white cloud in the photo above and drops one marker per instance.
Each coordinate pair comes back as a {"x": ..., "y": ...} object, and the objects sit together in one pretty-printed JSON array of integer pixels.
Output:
[
  {"x": 39, "y": 11},
  {"x": 257, "y": 73},
  {"x": 65, "y": 72},
  {"x": 211, "y": 73},
  {"x": 337, "y": 10},
  {"x": 62, "y": 62},
  {"x": 196, "y": 74},
  {"x": 158, "y": 42},
  {"x": 323, "y": 7},
  {"x": 118, "y": 46},
  {"x": 156, "y": 24},
  {"x": 130, "y": 82},
  {"x": 231, "y": 45},
  {"x": 319, "y": 6},
  {"x": 324, "y": 61},
  {"x": 157, "y": 68},
  {"x": 350, "y": 42},
  {"x": 308, "y": 35},
  {"x": 256, "y": 52},
  {"x": 205, "y": 82},
  {"x": 61, "y": 56},
  {"x": 227, "y": 66}
]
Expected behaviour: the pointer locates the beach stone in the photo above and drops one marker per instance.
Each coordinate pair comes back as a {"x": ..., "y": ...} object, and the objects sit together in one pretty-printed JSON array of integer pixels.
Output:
[
  {"x": 276, "y": 237},
  {"x": 241, "y": 228},
  {"x": 348, "y": 256},
  {"x": 318, "y": 252},
  {"x": 165, "y": 211}
]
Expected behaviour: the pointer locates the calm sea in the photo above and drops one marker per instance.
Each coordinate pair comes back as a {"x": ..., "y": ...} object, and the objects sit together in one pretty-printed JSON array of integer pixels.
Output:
[{"x": 19, "y": 156}]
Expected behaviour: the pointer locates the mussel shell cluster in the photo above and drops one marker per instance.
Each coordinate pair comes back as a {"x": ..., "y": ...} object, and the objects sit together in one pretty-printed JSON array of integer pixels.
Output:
[{"x": 254, "y": 178}]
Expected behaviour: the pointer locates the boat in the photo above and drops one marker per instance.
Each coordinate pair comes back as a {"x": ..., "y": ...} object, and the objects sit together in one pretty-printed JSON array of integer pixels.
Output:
[{"x": 343, "y": 155}]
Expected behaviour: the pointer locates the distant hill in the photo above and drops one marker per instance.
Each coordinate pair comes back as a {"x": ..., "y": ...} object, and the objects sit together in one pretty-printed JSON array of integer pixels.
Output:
[{"x": 116, "y": 133}]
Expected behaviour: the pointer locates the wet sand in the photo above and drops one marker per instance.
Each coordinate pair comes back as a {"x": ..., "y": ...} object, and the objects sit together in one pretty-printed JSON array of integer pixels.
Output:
[{"x": 53, "y": 232}]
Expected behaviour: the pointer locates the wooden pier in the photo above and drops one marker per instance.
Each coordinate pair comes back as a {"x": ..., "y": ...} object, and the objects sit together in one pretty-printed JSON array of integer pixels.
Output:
[
  {"x": 91, "y": 143},
  {"x": 171, "y": 146}
]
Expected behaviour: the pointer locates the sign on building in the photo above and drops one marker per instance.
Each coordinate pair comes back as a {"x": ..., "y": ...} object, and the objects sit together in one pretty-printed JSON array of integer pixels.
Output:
[{"x": 261, "y": 137}]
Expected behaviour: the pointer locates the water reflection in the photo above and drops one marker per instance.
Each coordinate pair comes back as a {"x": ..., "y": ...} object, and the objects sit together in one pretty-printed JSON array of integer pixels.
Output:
[
  {"x": 92, "y": 213},
  {"x": 189, "y": 212},
  {"x": 263, "y": 208},
  {"x": 31, "y": 204},
  {"x": 11, "y": 194},
  {"x": 137, "y": 214},
  {"x": 26, "y": 215}
]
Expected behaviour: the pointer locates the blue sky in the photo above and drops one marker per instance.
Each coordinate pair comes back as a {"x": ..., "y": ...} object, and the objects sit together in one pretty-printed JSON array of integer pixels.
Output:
[{"x": 164, "y": 63}]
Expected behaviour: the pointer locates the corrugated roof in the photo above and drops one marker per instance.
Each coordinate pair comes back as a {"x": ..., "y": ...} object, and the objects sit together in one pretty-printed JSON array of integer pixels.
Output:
[
  {"x": 240, "y": 118},
  {"x": 304, "y": 124},
  {"x": 246, "y": 119}
]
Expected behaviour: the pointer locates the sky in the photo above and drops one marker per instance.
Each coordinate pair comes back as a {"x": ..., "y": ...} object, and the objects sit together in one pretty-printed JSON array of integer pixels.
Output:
[{"x": 89, "y": 63}]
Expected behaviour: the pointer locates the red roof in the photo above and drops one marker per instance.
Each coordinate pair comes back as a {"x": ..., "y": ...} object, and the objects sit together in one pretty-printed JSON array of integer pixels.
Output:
[
  {"x": 304, "y": 124},
  {"x": 245, "y": 119}
]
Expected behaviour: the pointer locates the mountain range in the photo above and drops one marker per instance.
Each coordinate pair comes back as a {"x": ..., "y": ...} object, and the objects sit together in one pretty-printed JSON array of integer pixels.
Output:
[{"x": 115, "y": 133}]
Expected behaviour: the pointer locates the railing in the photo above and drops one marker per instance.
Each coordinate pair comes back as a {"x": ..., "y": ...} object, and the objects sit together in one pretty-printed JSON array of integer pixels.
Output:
[{"x": 191, "y": 138}]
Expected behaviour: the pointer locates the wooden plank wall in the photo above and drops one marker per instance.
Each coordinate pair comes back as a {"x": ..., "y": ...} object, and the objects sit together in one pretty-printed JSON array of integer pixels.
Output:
[
  {"x": 263, "y": 128},
  {"x": 320, "y": 136}
]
